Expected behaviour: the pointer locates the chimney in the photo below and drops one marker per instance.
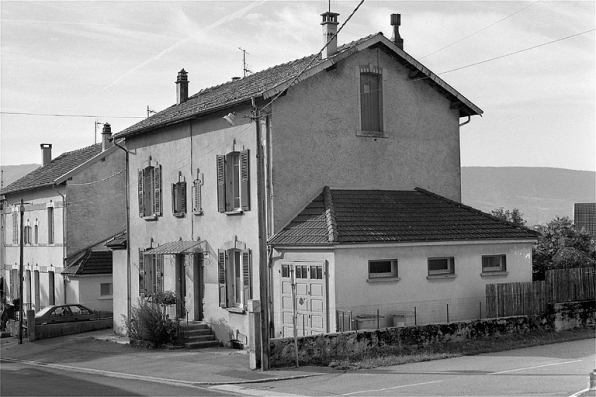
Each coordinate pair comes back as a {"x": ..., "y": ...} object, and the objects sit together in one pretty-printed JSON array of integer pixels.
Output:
[
  {"x": 329, "y": 30},
  {"x": 181, "y": 87},
  {"x": 106, "y": 134},
  {"x": 396, "y": 38},
  {"x": 46, "y": 153}
]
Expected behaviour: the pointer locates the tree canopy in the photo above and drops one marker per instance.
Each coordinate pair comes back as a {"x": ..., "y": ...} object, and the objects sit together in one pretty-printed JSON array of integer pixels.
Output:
[{"x": 513, "y": 216}]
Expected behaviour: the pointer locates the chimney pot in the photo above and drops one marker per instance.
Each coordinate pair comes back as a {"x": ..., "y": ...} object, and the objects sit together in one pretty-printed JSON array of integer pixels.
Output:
[
  {"x": 46, "y": 153},
  {"x": 329, "y": 33},
  {"x": 396, "y": 38},
  {"x": 106, "y": 134},
  {"x": 181, "y": 87}
]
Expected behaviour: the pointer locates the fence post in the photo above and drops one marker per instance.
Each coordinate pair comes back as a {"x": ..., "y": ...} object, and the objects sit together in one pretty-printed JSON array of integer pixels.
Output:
[
  {"x": 378, "y": 318},
  {"x": 447, "y": 312},
  {"x": 415, "y": 317}
]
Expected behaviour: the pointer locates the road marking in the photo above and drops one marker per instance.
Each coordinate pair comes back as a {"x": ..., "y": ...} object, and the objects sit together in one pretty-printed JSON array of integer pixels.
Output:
[
  {"x": 537, "y": 366},
  {"x": 249, "y": 392},
  {"x": 391, "y": 388}
]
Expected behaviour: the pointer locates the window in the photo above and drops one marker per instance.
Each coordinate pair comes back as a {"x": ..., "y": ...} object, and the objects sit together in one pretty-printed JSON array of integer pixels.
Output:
[
  {"x": 105, "y": 289},
  {"x": 27, "y": 234},
  {"x": 50, "y": 225},
  {"x": 235, "y": 278},
  {"x": 149, "y": 192},
  {"x": 371, "y": 100},
  {"x": 150, "y": 273},
  {"x": 233, "y": 192},
  {"x": 36, "y": 233},
  {"x": 382, "y": 268},
  {"x": 15, "y": 227},
  {"x": 494, "y": 263},
  {"x": 51, "y": 291},
  {"x": 196, "y": 194},
  {"x": 441, "y": 266},
  {"x": 303, "y": 272},
  {"x": 179, "y": 198}
]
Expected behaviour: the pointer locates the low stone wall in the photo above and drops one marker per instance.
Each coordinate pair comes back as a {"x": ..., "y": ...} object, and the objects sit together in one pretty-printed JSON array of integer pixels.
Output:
[
  {"x": 54, "y": 330},
  {"x": 571, "y": 315},
  {"x": 321, "y": 349}
]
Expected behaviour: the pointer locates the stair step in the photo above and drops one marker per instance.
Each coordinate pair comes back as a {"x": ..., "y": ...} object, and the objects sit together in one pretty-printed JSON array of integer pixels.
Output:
[
  {"x": 201, "y": 338},
  {"x": 199, "y": 345},
  {"x": 191, "y": 327},
  {"x": 196, "y": 332}
]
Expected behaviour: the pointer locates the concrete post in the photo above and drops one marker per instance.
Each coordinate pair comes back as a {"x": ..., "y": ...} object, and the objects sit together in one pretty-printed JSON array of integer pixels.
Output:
[
  {"x": 31, "y": 325},
  {"x": 254, "y": 338},
  {"x": 592, "y": 384}
]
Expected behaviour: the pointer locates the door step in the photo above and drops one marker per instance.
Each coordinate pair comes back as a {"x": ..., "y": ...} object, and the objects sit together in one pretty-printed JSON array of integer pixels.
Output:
[{"x": 198, "y": 335}]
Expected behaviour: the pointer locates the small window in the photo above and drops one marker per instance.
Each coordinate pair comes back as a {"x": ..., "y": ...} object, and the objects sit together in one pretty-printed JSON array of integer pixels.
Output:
[
  {"x": 50, "y": 225},
  {"x": 285, "y": 271},
  {"x": 382, "y": 268},
  {"x": 179, "y": 198},
  {"x": 494, "y": 263},
  {"x": 105, "y": 289},
  {"x": 438, "y": 266},
  {"x": 27, "y": 234},
  {"x": 301, "y": 271},
  {"x": 316, "y": 272}
]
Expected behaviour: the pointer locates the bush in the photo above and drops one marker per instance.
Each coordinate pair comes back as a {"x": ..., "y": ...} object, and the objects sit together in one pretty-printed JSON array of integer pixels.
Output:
[{"x": 148, "y": 323}]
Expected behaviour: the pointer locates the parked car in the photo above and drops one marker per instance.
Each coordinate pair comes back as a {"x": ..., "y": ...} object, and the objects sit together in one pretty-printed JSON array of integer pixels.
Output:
[{"x": 68, "y": 313}]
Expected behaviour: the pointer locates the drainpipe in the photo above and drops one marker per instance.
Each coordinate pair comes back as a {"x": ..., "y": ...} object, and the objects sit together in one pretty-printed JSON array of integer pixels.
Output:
[
  {"x": 466, "y": 122},
  {"x": 63, "y": 237},
  {"x": 128, "y": 270}
]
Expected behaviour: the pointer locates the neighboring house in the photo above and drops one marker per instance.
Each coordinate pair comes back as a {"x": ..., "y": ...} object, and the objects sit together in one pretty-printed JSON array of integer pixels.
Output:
[
  {"x": 359, "y": 251},
  {"x": 72, "y": 203},
  {"x": 584, "y": 217},
  {"x": 365, "y": 115}
]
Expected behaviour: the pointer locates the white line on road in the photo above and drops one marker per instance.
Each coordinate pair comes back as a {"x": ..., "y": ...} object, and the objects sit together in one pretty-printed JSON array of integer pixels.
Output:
[
  {"x": 391, "y": 388},
  {"x": 249, "y": 392},
  {"x": 537, "y": 366}
]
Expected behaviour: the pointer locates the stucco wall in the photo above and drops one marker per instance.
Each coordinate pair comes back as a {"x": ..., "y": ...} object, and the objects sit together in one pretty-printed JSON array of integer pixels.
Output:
[
  {"x": 89, "y": 292},
  {"x": 96, "y": 193},
  {"x": 315, "y": 143},
  {"x": 119, "y": 289}
]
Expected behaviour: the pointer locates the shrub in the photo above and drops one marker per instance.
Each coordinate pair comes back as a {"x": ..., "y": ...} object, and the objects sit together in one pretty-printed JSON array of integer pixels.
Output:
[{"x": 148, "y": 323}]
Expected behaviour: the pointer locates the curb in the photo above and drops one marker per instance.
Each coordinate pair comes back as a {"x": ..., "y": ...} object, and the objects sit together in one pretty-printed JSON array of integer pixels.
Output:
[{"x": 166, "y": 381}]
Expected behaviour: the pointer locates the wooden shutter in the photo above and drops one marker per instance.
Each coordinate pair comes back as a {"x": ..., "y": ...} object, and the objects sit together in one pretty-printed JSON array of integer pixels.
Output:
[
  {"x": 370, "y": 101},
  {"x": 246, "y": 276},
  {"x": 221, "y": 183},
  {"x": 142, "y": 287},
  {"x": 159, "y": 273},
  {"x": 174, "y": 209},
  {"x": 157, "y": 204},
  {"x": 244, "y": 180},
  {"x": 221, "y": 272},
  {"x": 182, "y": 197},
  {"x": 196, "y": 191},
  {"x": 141, "y": 200}
]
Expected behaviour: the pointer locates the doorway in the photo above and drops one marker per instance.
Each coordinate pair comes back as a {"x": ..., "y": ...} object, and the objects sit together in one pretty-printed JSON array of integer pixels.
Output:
[
  {"x": 180, "y": 286},
  {"x": 198, "y": 286}
]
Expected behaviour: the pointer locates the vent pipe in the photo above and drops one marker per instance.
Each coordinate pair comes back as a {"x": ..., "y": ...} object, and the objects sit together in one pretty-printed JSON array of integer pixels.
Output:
[{"x": 396, "y": 38}]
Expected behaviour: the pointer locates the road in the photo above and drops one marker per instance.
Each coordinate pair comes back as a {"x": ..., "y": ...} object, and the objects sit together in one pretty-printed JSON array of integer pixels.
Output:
[
  {"x": 18, "y": 379},
  {"x": 551, "y": 370}
]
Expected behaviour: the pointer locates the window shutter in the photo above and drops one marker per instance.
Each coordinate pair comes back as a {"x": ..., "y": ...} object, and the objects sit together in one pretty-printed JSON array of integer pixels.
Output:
[
  {"x": 221, "y": 271},
  {"x": 157, "y": 204},
  {"x": 196, "y": 191},
  {"x": 174, "y": 198},
  {"x": 182, "y": 195},
  {"x": 221, "y": 183},
  {"x": 244, "y": 180},
  {"x": 246, "y": 276},
  {"x": 159, "y": 273},
  {"x": 142, "y": 288},
  {"x": 141, "y": 201}
]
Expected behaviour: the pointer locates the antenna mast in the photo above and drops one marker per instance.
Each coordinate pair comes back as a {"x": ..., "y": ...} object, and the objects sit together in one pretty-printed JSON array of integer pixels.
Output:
[{"x": 244, "y": 65}]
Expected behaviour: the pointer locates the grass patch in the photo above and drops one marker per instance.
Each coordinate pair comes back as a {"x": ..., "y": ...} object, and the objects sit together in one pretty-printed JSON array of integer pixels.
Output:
[{"x": 392, "y": 355}]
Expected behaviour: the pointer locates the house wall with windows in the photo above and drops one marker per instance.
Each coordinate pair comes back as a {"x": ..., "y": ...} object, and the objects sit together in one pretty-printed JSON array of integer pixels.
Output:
[
  {"x": 43, "y": 249},
  {"x": 462, "y": 287},
  {"x": 87, "y": 290},
  {"x": 418, "y": 147},
  {"x": 96, "y": 192}
]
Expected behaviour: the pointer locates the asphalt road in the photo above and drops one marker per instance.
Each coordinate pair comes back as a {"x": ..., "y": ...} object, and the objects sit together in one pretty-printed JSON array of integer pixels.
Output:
[
  {"x": 551, "y": 370},
  {"x": 18, "y": 379}
]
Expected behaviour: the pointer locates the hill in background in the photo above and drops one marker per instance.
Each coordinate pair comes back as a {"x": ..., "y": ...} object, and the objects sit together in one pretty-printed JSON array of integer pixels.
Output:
[
  {"x": 11, "y": 173},
  {"x": 540, "y": 193}
]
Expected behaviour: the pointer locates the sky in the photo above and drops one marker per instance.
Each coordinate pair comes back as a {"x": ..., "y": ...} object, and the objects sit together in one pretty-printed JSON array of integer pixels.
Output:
[{"x": 529, "y": 65}]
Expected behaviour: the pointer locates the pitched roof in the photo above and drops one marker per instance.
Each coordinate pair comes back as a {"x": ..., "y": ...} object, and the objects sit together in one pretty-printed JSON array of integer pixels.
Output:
[
  {"x": 117, "y": 242},
  {"x": 176, "y": 247},
  {"x": 381, "y": 216},
  {"x": 49, "y": 173},
  {"x": 89, "y": 262},
  {"x": 278, "y": 78}
]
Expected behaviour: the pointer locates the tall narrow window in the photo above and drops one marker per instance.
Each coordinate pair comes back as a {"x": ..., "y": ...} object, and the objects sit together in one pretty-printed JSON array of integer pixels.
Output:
[
  {"x": 149, "y": 192},
  {"x": 150, "y": 273},
  {"x": 179, "y": 198},
  {"x": 50, "y": 225},
  {"x": 15, "y": 227},
  {"x": 197, "y": 206},
  {"x": 235, "y": 278},
  {"x": 233, "y": 191},
  {"x": 371, "y": 98},
  {"x": 51, "y": 290},
  {"x": 36, "y": 233}
]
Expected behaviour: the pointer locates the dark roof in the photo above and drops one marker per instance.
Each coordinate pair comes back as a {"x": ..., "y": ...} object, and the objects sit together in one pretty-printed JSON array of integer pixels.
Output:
[
  {"x": 89, "y": 262},
  {"x": 117, "y": 242},
  {"x": 242, "y": 90},
  {"x": 176, "y": 247},
  {"x": 47, "y": 174},
  {"x": 381, "y": 216}
]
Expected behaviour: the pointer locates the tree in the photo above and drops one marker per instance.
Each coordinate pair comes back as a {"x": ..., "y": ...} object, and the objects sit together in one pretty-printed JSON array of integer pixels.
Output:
[
  {"x": 514, "y": 216},
  {"x": 561, "y": 245}
]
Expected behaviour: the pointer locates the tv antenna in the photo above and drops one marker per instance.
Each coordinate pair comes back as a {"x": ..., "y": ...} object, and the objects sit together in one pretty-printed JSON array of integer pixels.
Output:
[{"x": 244, "y": 65}]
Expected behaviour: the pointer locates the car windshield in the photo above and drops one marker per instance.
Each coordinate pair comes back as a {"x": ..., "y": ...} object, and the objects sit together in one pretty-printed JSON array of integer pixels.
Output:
[{"x": 43, "y": 311}]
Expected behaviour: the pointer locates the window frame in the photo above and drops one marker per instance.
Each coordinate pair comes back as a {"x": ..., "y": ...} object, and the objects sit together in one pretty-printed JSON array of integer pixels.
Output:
[
  {"x": 149, "y": 191},
  {"x": 494, "y": 269},
  {"x": 233, "y": 182},
  {"x": 232, "y": 296},
  {"x": 179, "y": 198},
  {"x": 374, "y": 128},
  {"x": 449, "y": 271},
  {"x": 393, "y": 263},
  {"x": 51, "y": 236},
  {"x": 109, "y": 288}
]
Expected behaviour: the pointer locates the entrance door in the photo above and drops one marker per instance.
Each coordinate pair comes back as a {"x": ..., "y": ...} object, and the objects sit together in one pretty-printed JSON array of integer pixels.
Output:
[
  {"x": 310, "y": 282},
  {"x": 198, "y": 286},
  {"x": 181, "y": 286}
]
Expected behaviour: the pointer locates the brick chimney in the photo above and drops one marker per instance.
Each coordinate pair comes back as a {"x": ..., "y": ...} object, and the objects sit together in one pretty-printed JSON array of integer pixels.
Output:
[
  {"x": 396, "y": 38},
  {"x": 46, "y": 153},
  {"x": 181, "y": 87},
  {"x": 106, "y": 134},
  {"x": 329, "y": 30}
]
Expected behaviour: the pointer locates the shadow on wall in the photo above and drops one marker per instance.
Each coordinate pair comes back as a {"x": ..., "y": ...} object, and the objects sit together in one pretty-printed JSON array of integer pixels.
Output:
[{"x": 222, "y": 330}]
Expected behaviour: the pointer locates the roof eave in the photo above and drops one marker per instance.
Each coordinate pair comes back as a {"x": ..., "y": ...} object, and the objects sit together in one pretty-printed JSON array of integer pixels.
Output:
[{"x": 85, "y": 165}]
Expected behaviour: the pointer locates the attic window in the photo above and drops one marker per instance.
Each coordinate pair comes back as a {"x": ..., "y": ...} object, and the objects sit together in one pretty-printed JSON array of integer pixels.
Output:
[{"x": 370, "y": 80}]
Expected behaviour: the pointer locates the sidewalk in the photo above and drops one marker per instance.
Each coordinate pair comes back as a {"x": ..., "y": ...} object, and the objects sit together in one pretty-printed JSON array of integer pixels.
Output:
[{"x": 105, "y": 353}]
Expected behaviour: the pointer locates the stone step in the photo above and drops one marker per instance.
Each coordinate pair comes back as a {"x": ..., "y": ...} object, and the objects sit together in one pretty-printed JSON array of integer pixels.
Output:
[
  {"x": 193, "y": 326},
  {"x": 200, "y": 338},
  {"x": 196, "y": 332},
  {"x": 201, "y": 345}
]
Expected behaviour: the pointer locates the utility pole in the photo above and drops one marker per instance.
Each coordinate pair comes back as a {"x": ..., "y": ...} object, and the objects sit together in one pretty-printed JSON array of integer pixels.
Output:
[{"x": 22, "y": 211}]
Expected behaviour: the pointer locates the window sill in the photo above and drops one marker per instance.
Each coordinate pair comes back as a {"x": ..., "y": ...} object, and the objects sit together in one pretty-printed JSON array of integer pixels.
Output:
[
  {"x": 105, "y": 298},
  {"x": 440, "y": 276},
  {"x": 180, "y": 215},
  {"x": 494, "y": 274},
  {"x": 383, "y": 280},
  {"x": 234, "y": 212},
  {"x": 372, "y": 134},
  {"x": 150, "y": 218},
  {"x": 235, "y": 310},
  {"x": 198, "y": 212}
]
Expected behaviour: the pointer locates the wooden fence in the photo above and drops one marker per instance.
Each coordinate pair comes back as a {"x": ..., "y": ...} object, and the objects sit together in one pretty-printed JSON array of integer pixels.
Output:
[{"x": 560, "y": 285}]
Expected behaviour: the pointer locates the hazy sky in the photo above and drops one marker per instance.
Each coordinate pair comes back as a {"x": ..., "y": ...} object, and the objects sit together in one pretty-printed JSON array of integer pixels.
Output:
[{"x": 112, "y": 59}]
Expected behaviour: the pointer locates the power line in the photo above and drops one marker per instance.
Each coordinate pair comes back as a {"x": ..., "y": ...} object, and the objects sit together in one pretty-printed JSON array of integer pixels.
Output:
[{"x": 70, "y": 115}]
